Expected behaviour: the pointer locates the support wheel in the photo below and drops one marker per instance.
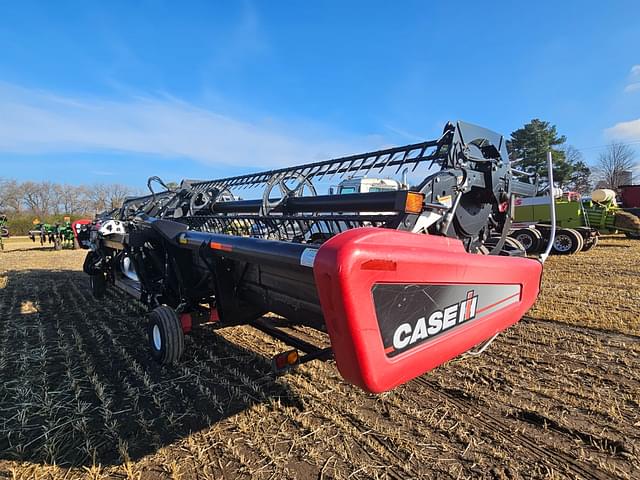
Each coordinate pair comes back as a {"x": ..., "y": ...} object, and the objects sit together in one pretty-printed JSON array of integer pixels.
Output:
[
  {"x": 567, "y": 242},
  {"x": 590, "y": 244},
  {"x": 530, "y": 238},
  {"x": 98, "y": 285},
  {"x": 514, "y": 248},
  {"x": 580, "y": 239},
  {"x": 166, "y": 338}
]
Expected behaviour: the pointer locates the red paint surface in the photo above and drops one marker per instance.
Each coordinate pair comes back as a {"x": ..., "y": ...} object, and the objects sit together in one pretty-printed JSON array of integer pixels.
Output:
[{"x": 344, "y": 287}]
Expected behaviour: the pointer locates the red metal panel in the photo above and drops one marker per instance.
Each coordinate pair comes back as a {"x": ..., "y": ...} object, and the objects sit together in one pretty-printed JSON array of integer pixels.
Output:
[
  {"x": 75, "y": 226},
  {"x": 186, "y": 322},
  {"x": 630, "y": 195},
  {"x": 348, "y": 266}
]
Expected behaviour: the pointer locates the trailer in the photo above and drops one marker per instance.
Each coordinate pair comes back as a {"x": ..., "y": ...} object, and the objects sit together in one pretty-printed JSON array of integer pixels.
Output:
[
  {"x": 399, "y": 280},
  {"x": 532, "y": 225}
]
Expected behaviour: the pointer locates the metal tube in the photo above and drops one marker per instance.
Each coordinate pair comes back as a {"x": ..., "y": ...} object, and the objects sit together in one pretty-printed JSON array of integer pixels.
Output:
[
  {"x": 253, "y": 250},
  {"x": 391, "y": 201},
  {"x": 552, "y": 202}
]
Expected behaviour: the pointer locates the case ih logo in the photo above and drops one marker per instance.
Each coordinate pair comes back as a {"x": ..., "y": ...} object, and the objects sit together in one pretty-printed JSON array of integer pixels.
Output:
[{"x": 438, "y": 322}]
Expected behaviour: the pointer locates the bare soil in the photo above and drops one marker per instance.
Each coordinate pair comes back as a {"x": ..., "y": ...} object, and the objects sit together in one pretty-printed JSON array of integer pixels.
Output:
[{"x": 556, "y": 396}]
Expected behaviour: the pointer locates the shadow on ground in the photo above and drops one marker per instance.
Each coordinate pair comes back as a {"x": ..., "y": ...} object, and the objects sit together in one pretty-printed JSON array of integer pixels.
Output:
[
  {"x": 78, "y": 386},
  {"x": 30, "y": 249}
]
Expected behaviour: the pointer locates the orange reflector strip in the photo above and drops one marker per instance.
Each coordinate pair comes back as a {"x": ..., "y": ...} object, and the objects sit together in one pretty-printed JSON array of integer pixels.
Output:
[
  {"x": 220, "y": 246},
  {"x": 285, "y": 359},
  {"x": 377, "y": 264},
  {"x": 292, "y": 357},
  {"x": 413, "y": 203}
]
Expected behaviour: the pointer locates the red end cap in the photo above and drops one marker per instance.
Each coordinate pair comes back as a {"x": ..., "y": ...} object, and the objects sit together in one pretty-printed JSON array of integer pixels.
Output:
[
  {"x": 75, "y": 226},
  {"x": 397, "y": 304}
]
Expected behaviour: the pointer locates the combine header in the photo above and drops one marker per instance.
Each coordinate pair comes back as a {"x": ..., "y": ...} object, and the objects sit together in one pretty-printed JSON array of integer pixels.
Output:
[{"x": 401, "y": 278}]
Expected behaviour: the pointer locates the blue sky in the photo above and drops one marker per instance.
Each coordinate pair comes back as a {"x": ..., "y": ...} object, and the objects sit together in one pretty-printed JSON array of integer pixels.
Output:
[{"x": 118, "y": 91}]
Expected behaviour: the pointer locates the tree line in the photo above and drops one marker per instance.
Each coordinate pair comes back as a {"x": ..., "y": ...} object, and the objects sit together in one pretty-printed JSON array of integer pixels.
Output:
[
  {"x": 50, "y": 202},
  {"x": 43, "y": 199}
]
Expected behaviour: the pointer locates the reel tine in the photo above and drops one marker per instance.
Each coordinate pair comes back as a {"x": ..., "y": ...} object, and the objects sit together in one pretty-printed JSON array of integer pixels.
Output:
[
  {"x": 337, "y": 169},
  {"x": 373, "y": 163},
  {"x": 360, "y": 166}
]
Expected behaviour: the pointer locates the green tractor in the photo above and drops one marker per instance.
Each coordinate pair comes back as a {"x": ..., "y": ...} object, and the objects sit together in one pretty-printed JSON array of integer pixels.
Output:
[
  {"x": 59, "y": 234},
  {"x": 578, "y": 222}
]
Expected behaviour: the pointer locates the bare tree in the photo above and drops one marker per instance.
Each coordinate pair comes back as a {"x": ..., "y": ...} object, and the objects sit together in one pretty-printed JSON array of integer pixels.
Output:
[
  {"x": 10, "y": 196},
  {"x": 71, "y": 199},
  {"x": 98, "y": 195},
  {"x": 579, "y": 180},
  {"x": 615, "y": 160},
  {"x": 39, "y": 197},
  {"x": 45, "y": 198},
  {"x": 116, "y": 193}
]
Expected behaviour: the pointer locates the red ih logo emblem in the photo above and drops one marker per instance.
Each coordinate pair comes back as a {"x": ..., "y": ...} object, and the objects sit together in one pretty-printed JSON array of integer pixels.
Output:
[{"x": 470, "y": 305}]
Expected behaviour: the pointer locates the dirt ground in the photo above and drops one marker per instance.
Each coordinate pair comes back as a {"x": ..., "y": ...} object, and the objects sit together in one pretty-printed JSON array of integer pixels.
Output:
[{"x": 556, "y": 396}]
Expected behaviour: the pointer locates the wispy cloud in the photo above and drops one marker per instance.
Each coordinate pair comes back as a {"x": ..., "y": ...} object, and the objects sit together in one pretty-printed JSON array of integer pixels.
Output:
[
  {"x": 36, "y": 121},
  {"x": 403, "y": 133},
  {"x": 629, "y": 130},
  {"x": 632, "y": 87},
  {"x": 634, "y": 80},
  {"x": 625, "y": 130}
]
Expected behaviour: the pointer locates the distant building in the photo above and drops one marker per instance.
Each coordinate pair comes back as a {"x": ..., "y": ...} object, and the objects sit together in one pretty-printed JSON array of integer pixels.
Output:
[{"x": 626, "y": 177}]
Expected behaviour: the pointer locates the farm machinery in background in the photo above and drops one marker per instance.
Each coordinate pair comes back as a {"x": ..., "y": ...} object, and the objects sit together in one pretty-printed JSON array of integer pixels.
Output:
[
  {"x": 60, "y": 235},
  {"x": 4, "y": 230},
  {"x": 603, "y": 213},
  {"x": 400, "y": 278},
  {"x": 630, "y": 195},
  {"x": 579, "y": 221}
]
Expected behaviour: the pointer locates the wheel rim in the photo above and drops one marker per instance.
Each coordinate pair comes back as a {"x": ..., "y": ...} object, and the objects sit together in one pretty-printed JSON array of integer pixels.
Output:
[
  {"x": 562, "y": 243},
  {"x": 525, "y": 240},
  {"x": 157, "y": 339}
]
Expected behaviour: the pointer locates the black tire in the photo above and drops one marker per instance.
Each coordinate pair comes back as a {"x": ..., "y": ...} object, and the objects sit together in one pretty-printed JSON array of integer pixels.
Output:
[
  {"x": 510, "y": 248},
  {"x": 98, "y": 285},
  {"x": 530, "y": 238},
  {"x": 632, "y": 236},
  {"x": 514, "y": 248},
  {"x": 166, "y": 339},
  {"x": 590, "y": 244},
  {"x": 580, "y": 239},
  {"x": 567, "y": 242}
]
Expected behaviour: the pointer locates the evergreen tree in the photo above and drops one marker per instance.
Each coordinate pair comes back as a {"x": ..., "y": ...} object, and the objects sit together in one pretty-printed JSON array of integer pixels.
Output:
[{"x": 531, "y": 144}]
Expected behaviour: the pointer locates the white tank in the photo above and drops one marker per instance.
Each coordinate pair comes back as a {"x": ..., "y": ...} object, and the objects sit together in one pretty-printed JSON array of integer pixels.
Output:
[
  {"x": 557, "y": 192},
  {"x": 603, "y": 195}
]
